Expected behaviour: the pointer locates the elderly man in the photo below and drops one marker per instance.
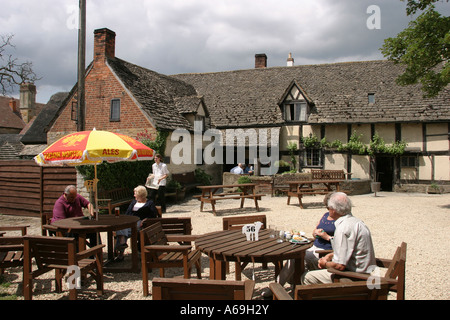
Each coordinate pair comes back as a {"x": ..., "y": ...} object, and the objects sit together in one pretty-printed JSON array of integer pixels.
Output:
[
  {"x": 71, "y": 204},
  {"x": 352, "y": 244},
  {"x": 239, "y": 169}
]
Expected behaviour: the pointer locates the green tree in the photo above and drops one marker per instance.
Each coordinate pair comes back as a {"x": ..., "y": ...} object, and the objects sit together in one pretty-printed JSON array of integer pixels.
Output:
[{"x": 423, "y": 47}]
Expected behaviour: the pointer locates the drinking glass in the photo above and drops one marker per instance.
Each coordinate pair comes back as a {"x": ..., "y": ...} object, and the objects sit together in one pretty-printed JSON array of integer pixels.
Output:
[{"x": 280, "y": 236}]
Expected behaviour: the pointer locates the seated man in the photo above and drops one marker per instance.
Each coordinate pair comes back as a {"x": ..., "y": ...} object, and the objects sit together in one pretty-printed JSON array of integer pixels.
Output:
[
  {"x": 238, "y": 169},
  {"x": 71, "y": 204},
  {"x": 352, "y": 244}
]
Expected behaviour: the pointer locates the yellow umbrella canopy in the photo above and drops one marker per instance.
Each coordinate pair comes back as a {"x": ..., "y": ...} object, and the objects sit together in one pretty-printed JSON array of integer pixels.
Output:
[{"x": 92, "y": 148}]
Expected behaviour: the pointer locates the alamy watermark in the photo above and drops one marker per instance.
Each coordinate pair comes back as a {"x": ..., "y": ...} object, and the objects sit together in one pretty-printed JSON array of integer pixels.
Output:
[
  {"x": 74, "y": 279},
  {"x": 374, "y": 20},
  {"x": 262, "y": 144}
]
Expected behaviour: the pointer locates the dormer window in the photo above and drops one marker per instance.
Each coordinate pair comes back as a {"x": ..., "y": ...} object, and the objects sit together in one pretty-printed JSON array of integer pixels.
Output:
[
  {"x": 295, "y": 107},
  {"x": 297, "y": 111}
]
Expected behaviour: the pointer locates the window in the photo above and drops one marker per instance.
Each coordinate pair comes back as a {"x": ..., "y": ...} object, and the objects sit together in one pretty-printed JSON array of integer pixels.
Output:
[
  {"x": 371, "y": 97},
  {"x": 74, "y": 111},
  {"x": 296, "y": 111},
  {"x": 409, "y": 161},
  {"x": 312, "y": 157},
  {"x": 115, "y": 110}
]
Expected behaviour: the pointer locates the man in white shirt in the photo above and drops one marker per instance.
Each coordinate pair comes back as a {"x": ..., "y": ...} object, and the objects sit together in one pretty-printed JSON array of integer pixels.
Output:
[
  {"x": 352, "y": 244},
  {"x": 159, "y": 176}
]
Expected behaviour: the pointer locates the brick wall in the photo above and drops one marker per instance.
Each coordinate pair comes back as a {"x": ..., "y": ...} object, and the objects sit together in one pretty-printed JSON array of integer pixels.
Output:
[{"x": 101, "y": 87}]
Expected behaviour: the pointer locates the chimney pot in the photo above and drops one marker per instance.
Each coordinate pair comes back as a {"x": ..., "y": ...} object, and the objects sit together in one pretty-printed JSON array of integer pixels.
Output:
[
  {"x": 290, "y": 60},
  {"x": 104, "y": 44},
  {"x": 260, "y": 60}
]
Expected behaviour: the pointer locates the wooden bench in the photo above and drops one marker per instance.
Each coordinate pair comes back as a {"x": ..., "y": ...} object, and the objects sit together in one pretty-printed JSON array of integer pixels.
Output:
[
  {"x": 236, "y": 223},
  {"x": 395, "y": 273},
  {"x": 313, "y": 187},
  {"x": 194, "y": 289},
  {"x": 332, "y": 291},
  {"x": 157, "y": 253},
  {"x": 60, "y": 254},
  {"x": 173, "y": 226},
  {"x": 109, "y": 199},
  {"x": 187, "y": 180},
  {"x": 319, "y": 174},
  {"x": 210, "y": 194}
]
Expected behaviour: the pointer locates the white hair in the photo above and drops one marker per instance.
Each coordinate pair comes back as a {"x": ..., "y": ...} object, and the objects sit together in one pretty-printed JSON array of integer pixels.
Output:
[{"x": 341, "y": 203}]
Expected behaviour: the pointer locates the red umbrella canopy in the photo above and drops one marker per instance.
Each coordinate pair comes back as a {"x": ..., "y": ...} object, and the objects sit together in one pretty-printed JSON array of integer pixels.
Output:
[{"x": 92, "y": 147}]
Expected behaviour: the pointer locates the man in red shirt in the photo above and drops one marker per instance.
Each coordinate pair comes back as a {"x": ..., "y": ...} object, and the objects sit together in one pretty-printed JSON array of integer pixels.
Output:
[{"x": 70, "y": 205}]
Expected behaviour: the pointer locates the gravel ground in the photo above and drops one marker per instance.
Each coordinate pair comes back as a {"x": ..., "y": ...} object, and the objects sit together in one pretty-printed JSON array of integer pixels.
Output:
[{"x": 391, "y": 217}]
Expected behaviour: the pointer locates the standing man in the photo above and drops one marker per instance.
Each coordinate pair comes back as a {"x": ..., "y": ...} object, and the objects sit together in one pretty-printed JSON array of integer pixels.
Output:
[
  {"x": 352, "y": 244},
  {"x": 70, "y": 205},
  {"x": 159, "y": 176}
]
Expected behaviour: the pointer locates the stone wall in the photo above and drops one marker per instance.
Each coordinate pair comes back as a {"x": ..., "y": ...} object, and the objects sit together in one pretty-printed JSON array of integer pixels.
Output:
[{"x": 351, "y": 187}]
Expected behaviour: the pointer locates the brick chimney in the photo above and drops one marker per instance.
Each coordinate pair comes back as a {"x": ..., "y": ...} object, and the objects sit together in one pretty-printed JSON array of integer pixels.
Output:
[
  {"x": 104, "y": 44},
  {"x": 290, "y": 60},
  {"x": 27, "y": 101},
  {"x": 260, "y": 60},
  {"x": 13, "y": 106}
]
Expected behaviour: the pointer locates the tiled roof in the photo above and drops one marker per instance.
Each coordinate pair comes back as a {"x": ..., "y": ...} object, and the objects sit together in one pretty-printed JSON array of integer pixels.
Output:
[
  {"x": 10, "y": 146},
  {"x": 339, "y": 93},
  {"x": 37, "y": 133},
  {"x": 10, "y": 119},
  {"x": 156, "y": 93}
]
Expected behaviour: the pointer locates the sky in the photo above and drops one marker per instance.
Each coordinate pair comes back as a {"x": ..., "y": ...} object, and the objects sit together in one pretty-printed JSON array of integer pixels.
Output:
[{"x": 195, "y": 36}]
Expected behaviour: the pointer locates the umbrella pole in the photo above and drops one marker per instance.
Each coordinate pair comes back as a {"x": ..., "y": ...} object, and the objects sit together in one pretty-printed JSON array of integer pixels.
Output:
[{"x": 95, "y": 193}]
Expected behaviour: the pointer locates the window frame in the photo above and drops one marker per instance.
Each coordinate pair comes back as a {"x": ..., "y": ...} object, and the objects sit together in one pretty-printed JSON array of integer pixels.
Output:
[
  {"x": 309, "y": 157},
  {"x": 409, "y": 162},
  {"x": 112, "y": 116},
  {"x": 300, "y": 109}
]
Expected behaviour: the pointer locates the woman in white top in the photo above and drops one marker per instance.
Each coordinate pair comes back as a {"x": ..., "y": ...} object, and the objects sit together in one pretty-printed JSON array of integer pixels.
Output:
[{"x": 158, "y": 186}]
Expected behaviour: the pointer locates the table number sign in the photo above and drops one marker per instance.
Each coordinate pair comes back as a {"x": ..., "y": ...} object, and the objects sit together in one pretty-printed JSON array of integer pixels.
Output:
[{"x": 252, "y": 230}]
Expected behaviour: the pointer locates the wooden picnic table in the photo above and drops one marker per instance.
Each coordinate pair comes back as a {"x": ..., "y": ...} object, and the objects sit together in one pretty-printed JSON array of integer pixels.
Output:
[
  {"x": 232, "y": 245},
  {"x": 311, "y": 187},
  {"x": 212, "y": 194},
  {"x": 105, "y": 223}
]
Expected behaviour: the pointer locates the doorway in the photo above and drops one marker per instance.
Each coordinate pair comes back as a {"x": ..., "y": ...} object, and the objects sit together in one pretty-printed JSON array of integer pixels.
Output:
[{"x": 385, "y": 172}]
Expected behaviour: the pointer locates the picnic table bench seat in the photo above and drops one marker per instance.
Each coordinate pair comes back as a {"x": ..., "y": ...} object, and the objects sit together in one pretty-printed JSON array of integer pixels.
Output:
[
  {"x": 194, "y": 289},
  {"x": 108, "y": 199}
]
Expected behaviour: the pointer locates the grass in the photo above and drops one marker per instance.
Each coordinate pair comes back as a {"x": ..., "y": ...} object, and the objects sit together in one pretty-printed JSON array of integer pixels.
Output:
[{"x": 4, "y": 295}]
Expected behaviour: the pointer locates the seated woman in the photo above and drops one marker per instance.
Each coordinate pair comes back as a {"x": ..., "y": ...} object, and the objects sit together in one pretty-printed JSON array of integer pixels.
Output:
[{"x": 141, "y": 207}]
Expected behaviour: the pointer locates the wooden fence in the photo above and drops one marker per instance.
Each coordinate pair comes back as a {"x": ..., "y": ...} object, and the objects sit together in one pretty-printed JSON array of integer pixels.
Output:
[{"x": 30, "y": 190}]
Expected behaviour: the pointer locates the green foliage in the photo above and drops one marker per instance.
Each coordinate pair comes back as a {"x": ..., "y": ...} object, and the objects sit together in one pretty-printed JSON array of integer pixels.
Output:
[
  {"x": 310, "y": 141},
  {"x": 356, "y": 146},
  {"x": 244, "y": 179},
  {"x": 173, "y": 184},
  {"x": 424, "y": 48},
  {"x": 158, "y": 144},
  {"x": 125, "y": 174},
  {"x": 202, "y": 177},
  {"x": 292, "y": 148},
  {"x": 282, "y": 163}
]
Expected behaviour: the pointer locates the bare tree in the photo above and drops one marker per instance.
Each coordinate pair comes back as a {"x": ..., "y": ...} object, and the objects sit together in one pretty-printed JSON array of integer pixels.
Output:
[{"x": 13, "y": 72}]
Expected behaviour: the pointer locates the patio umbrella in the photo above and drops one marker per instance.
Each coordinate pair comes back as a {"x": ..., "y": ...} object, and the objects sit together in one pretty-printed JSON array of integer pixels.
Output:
[{"x": 92, "y": 148}]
